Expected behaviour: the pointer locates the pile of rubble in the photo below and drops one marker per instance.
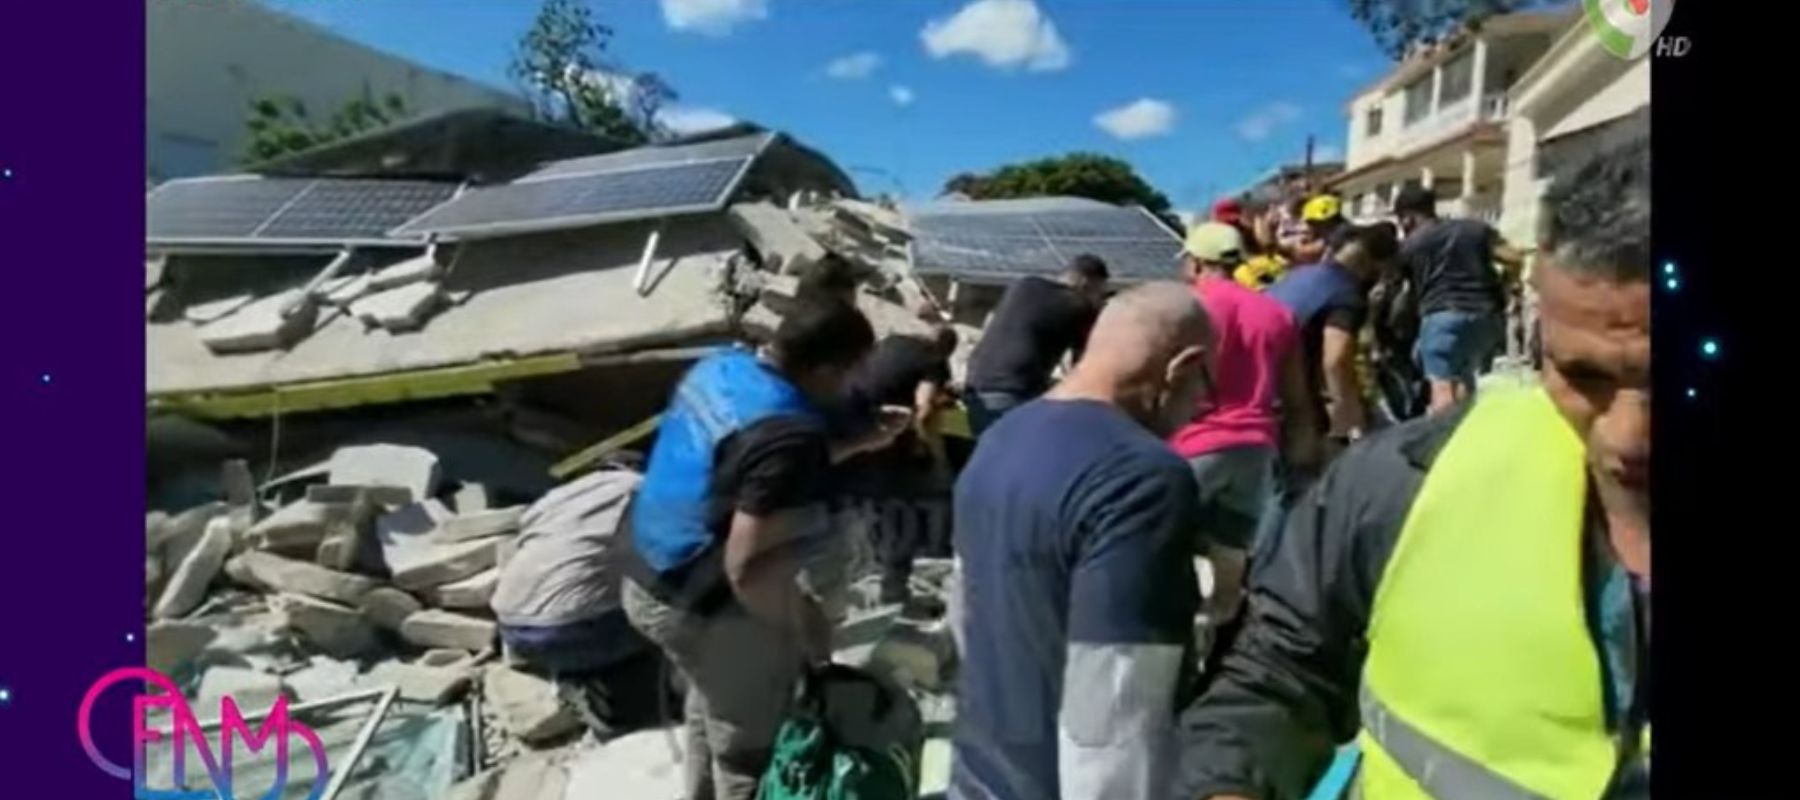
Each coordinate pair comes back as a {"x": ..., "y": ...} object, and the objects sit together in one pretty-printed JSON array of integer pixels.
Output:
[{"x": 378, "y": 578}]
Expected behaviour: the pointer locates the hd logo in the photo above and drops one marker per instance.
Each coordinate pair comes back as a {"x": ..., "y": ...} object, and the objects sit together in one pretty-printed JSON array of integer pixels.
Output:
[{"x": 1628, "y": 28}]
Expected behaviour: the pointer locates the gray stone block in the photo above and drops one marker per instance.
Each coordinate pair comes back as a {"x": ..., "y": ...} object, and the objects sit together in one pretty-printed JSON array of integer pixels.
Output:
[
  {"x": 169, "y": 645},
  {"x": 527, "y": 705},
  {"x": 252, "y": 691},
  {"x": 480, "y": 524},
  {"x": 412, "y": 468},
  {"x": 300, "y": 577},
  {"x": 532, "y": 778},
  {"x": 434, "y": 628},
  {"x": 187, "y": 586},
  {"x": 338, "y": 630},
  {"x": 403, "y": 309},
  {"x": 424, "y": 684},
  {"x": 422, "y": 565},
  {"x": 389, "y": 607},
  {"x": 472, "y": 497},
  {"x": 471, "y": 592},
  {"x": 296, "y": 528}
]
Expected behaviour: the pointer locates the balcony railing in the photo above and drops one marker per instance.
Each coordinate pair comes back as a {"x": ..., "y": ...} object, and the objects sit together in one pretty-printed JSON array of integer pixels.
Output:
[{"x": 1452, "y": 117}]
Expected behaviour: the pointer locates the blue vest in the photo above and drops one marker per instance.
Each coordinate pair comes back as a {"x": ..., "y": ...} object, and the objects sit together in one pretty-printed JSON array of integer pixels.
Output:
[{"x": 724, "y": 393}]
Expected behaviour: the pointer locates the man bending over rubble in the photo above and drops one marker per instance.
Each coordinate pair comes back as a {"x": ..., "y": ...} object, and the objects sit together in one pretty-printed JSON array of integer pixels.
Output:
[
  {"x": 1075, "y": 524},
  {"x": 1037, "y": 321},
  {"x": 732, "y": 498}
]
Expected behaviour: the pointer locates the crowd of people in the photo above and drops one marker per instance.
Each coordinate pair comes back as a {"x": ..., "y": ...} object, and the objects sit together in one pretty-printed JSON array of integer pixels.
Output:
[{"x": 1453, "y": 583}]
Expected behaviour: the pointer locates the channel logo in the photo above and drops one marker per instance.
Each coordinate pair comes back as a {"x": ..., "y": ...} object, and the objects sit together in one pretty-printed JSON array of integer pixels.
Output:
[{"x": 1628, "y": 28}]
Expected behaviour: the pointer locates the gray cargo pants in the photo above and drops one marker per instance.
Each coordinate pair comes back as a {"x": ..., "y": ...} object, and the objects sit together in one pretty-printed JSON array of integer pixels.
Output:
[{"x": 740, "y": 676}]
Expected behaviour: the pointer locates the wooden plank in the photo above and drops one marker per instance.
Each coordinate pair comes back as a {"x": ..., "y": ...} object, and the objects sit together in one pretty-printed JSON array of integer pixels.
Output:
[{"x": 605, "y": 447}]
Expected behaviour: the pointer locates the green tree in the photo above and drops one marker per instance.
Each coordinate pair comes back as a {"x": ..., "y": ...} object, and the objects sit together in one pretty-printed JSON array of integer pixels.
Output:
[
  {"x": 279, "y": 125},
  {"x": 1089, "y": 175},
  {"x": 1401, "y": 25},
  {"x": 563, "y": 66}
]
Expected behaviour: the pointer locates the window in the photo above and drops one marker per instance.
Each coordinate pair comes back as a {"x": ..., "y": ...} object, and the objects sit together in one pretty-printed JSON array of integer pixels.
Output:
[
  {"x": 1418, "y": 100},
  {"x": 1459, "y": 78},
  {"x": 1374, "y": 127}
]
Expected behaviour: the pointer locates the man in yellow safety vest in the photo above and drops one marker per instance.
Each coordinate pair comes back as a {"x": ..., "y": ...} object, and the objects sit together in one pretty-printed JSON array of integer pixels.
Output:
[{"x": 1467, "y": 595}]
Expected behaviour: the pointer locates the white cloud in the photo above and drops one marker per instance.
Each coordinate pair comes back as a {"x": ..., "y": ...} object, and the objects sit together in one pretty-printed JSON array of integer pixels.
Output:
[
  {"x": 1006, "y": 34},
  {"x": 694, "y": 119},
  {"x": 853, "y": 66},
  {"x": 1138, "y": 119},
  {"x": 901, "y": 95},
  {"x": 712, "y": 17},
  {"x": 1265, "y": 120}
]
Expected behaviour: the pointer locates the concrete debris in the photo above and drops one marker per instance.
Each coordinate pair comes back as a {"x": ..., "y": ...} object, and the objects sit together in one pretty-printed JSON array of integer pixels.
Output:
[
  {"x": 238, "y": 571},
  {"x": 239, "y": 484},
  {"x": 472, "y": 498},
  {"x": 434, "y": 628},
  {"x": 443, "y": 657},
  {"x": 388, "y": 607},
  {"x": 915, "y": 657},
  {"x": 400, "y": 310},
  {"x": 323, "y": 678},
  {"x": 300, "y": 577},
  {"x": 270, "y": 323},
  {"x": 203, "y": 313},
  {"x": 180, "y": 533},
  {"x": 472, "y": 593},
  {"x": 480, "y": 524},
  {"x": 350, "y": 544},
  {"x": 533, "y": 778},
  {"x": 412, "y": 468},
  {"x": 420, "y": 683},
  {"x": 641, "y": 764},
  {"x": 169, "y": 645},
  {"x": 341, "y": 631},
  {"x": 527, "y": 705},
  {"x": 344, "y": 289},
  {"x": 249, "y": 689},
  {"x": 479, "y": 787},
  {"x": 413, "y": 270},
  {"x": 187, "y": 586},
  {"x": 296, "y": 528},
  {"x": 419, "y": 565},
  {"x": 783, "y": 245}
]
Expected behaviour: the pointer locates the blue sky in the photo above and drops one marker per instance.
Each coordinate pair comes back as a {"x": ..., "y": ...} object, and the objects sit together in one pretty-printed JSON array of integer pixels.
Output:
[{"x": 1204, "y": 95}]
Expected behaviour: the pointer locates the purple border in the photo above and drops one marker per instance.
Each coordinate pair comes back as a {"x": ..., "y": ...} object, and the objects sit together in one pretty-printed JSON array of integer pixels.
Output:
[{"x": 71, "y": 218}]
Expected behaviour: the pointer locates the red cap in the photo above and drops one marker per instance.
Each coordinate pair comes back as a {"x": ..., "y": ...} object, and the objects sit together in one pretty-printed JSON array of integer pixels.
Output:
[{"x": 1228, "y": 211}]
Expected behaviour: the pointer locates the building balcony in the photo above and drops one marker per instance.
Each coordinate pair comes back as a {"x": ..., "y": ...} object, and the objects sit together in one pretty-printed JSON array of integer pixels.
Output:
[{"x": 1450, "y": 119}]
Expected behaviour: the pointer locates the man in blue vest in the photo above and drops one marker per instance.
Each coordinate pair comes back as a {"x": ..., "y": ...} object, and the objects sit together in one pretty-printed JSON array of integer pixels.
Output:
[
  {"x": 732, "y": 503},
  {"x": 1467, "y": 594}
]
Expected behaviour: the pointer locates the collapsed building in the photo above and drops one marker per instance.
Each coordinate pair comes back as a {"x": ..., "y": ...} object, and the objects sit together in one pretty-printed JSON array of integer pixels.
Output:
[{"x": 416, "y": 334}]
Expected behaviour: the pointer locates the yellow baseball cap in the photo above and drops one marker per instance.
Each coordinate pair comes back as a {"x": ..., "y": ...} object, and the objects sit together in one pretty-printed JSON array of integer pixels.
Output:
[
  {"x": 1215, "y": 242},
  {"x": 1321, "y": 208}
]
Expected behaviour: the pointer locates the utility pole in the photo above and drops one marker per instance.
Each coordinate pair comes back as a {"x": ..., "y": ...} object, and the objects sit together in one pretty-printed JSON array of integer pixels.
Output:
[{"x": 1306, "y": 167}]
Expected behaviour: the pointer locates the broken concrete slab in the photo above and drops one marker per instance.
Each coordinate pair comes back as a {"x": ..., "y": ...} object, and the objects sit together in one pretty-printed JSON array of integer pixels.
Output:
[
  {"x": 527, "y": 705},
  {"x": 187, "y": 586},
  {"x": 423, "y": 684},
  {"x": 238, "y": 571},
  {"x": 296, "y": 528},
  {"x": 471, "y": 592},
  {"x": 323, "y": 678},
  {"x": 640, "y": 764},
  {"x": 269, "y": 323},
  {"x": 784, "y": 246},
  {"x": 534, "y": 777},
  {"x": 421, "y": 565},
  {"x": 479, "y": 787},
  {"x": 339, "y": 630},
  {"x": 389, "y": 607},
  {"x": 300, "y": 577},
  {"x": 412, "y": 468},
  {"x": 916, "y": 658},
  {"x": 442, "y": 657},
  {"x": 350, "y": 543},
  {"x": 402, "y": 309},
  {"x": 181, "y": 532},
  {"x": 249, "y": 689},
  {"x": 480, "y": 524},
  {"x": 168, "y": 645},
  {"x": 343, "y": 291},
  {"x": 472, "y": 498},
  {"x": 434, "y": 628}
]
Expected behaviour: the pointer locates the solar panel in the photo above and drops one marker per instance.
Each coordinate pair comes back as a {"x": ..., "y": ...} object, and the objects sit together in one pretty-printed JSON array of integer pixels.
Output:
[
  {"x": 1005, "y": 239},
  {"x": 632, "y": 184},
  {"x": 248, "y": 210}
]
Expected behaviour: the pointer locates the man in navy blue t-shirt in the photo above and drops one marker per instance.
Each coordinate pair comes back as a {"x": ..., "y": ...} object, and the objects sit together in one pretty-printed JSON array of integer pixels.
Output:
[{"x": 1075, "y": 526}]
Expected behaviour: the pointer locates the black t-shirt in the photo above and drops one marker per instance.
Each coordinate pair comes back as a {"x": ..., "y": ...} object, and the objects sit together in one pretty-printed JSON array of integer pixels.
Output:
[
  {"x": 1036, "y": 323},
  {"x": 1451, "y": 262},
  {"x": 777, "y": 464},
  {"x": 892, "y": 374}
]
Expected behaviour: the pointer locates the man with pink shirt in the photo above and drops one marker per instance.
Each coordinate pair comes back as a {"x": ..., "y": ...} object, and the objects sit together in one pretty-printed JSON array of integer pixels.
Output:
[{"x": 1258, "y": 407}]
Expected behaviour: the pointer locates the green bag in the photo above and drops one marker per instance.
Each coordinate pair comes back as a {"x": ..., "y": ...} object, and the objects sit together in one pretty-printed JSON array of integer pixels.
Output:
[{"x": 852, "y": 736}]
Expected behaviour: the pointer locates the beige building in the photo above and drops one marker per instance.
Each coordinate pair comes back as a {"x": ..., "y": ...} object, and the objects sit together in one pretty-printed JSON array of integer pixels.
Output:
[
  {"x": 207, "y": 61},
  {"x": 1577, "y": 99},
  {"x": 1439, "y": 120}
]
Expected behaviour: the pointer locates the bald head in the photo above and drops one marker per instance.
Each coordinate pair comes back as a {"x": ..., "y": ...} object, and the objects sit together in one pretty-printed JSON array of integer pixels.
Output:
[{"x": 1147, "y": 354}]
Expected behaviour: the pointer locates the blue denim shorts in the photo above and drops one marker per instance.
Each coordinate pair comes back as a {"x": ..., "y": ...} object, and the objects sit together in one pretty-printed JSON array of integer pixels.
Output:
[{"x": 1458, "y": 345}]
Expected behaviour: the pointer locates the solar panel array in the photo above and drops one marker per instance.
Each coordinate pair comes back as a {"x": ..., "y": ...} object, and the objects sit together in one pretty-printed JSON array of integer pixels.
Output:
[
  {"x": 1005, "y": 239},
  {"x": 253, "y": 210},
  {"x": 634, "y": 184}
]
